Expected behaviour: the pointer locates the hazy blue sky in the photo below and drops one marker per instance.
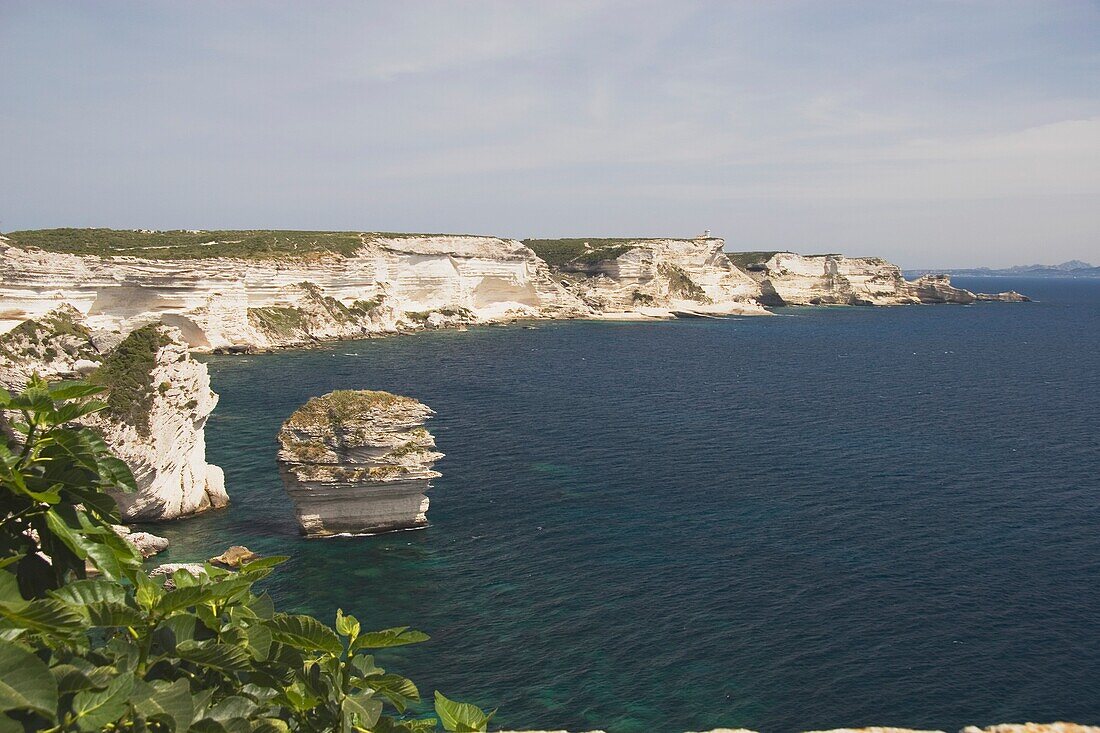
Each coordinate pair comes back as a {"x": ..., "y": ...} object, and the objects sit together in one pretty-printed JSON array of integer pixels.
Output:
[{"x": 932, "y": 133}]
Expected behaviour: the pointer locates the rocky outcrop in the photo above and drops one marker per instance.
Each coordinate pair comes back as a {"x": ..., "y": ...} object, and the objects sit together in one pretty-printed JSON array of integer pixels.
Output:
[
  {"x": 652, "y": 277},
  {"x": 234, "y": 557},
  {"x": 387, "y": 285},
  {"x": 938, "y": 289},
  {"x": 356, "y": 461},
  {"x": 158, "y": 399},
  {"x": 792, "y": 279},
  {"x": 146, "y": 543},
  {"x": 786, "y": 278},
  {"x": 1009, "y": 296}
]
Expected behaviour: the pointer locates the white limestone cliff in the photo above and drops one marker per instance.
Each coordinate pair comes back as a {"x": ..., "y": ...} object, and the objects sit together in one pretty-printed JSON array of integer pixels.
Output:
[
  {"x": 159, "y": 398},
  {"x": 358, "y": 461},
  {"x": 661, "y": 277},
  {"x": 396, "y": 283},
  {"x": 389, "y": 284},
  {"x": 786, "y": 278}
]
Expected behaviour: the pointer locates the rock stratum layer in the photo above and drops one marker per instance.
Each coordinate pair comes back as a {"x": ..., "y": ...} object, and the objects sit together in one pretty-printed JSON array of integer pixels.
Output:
[
  {"x": 357, "y": 462},
  {"x": 158, "y": 397},
  {"x": 297, "y": 292},
  {"x": 791, "y": 279},
  {"x": 388, "y": 284}
]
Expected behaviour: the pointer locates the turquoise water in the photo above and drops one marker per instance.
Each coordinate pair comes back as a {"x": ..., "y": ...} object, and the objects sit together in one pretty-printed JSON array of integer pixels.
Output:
[{"x": 831, "y": 517}]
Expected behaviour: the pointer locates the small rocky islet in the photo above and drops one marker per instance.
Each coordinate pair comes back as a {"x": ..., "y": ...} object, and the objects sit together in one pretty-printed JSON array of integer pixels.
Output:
[{"x": 358, "y": 462}]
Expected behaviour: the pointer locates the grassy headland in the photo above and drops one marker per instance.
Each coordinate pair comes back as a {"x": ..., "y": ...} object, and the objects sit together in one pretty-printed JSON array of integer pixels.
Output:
[{"x": 192, "y": 244}]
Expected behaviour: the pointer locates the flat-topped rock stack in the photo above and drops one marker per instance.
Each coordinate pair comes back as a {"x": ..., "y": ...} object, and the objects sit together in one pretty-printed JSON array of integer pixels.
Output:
[{"x": 358, "y": 462}]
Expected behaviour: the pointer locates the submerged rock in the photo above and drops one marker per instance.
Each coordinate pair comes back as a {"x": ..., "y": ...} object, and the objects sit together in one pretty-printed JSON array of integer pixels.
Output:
[
  {"x": 234, "y": 557},
  {"x": 358, "y": 461}
]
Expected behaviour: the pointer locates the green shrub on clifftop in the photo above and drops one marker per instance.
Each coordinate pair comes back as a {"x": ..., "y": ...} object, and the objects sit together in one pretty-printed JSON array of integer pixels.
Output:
[{"x": 127, "y": 374}]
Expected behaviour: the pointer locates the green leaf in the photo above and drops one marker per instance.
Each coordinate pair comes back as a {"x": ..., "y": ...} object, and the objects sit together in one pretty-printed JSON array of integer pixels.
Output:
[
  {"x": 179, "y": 598},
  {"x": 305, "y": 633},
  {"x": 361, "y": 710},
  {"x": 168, "y": 703},
  {"x": 83, "y": 592},
  {"x": 94, "y": 710},
  {"x": 269, "y": 725},
  {"x": 263, "y": 563},
  {"x": 232, "y": 707},
  {"x": 148, "y": 593},
  {"x": 365, "y": 666},
  {"x": 397, "y": 636},
  {"x": 397, "y": 689},
  {"x": 181, "y": 627},
  {"x": 346, "y": 625},
  {"x": 418, "y": 725},
  {"x": 71, "y": 678},
  {"x": 107, "y": 614},
  {"x": 9, "y": 587},
  {"x": 262, "y": 606},
  {"x": 44, "y": 615},
  {"x": 115, "y": 474},
  {"x": 259, "y": 641},
  {"x": 214, "y": 655},
  {"x": 461, "y": 717},
  {"x": 70, "y": 390},
  {"x": 25, "y": 682}
]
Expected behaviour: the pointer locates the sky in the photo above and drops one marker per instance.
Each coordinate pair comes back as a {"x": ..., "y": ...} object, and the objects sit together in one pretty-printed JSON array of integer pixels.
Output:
[{"x": 936, "y": 134}]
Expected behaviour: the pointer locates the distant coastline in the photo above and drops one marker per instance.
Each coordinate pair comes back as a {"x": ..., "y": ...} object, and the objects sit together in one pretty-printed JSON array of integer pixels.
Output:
[{"x": 1072, "y": 268}]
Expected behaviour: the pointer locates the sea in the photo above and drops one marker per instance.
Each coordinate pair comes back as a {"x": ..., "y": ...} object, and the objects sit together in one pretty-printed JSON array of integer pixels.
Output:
[{"x": 831, "y": 517}]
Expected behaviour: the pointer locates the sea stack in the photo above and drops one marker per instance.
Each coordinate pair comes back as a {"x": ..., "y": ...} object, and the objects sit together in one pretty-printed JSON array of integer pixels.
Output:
[{"x": 358, "y": 462}]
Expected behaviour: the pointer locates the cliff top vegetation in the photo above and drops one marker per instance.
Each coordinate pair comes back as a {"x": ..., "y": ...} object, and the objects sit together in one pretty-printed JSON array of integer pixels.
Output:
[
  {"x": 127, "y": 375},
  {"x": 192, "y": 244},
  {"x": 343, "y": 405},
  {"x": 583, "y": 250}
]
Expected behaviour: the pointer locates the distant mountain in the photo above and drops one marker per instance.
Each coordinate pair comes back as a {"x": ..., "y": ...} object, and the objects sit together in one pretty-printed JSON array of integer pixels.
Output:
[{"x": 1072, "y": 268}]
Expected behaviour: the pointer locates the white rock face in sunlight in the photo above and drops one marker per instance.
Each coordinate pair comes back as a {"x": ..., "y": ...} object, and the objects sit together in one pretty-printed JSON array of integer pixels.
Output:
[
  {"x": 358, "y": 462},
  {"x": 159, "y": 430},
  {"x": 390, "y": 284}
]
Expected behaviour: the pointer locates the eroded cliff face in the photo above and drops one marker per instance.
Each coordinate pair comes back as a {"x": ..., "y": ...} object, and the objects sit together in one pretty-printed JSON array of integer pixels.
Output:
[
  {"x": 358, "y": 461},
  {"x": 159, "y": 400},
  {"x": 389, "y": 284},
  {"x": 380, "y": 284},
  {"x": 660, "y": 277},
  {"x": 786, "y": 278}
]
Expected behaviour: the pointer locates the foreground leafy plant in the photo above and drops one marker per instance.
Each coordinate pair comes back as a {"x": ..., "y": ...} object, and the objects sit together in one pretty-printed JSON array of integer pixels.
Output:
[{"x": 120, "y": 652}]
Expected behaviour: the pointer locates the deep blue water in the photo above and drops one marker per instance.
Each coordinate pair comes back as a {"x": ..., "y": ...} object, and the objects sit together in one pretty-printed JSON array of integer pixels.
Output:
[{"x": 831, "y": 517}]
